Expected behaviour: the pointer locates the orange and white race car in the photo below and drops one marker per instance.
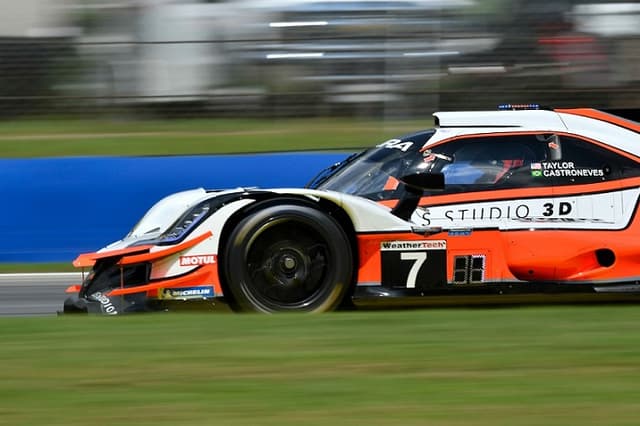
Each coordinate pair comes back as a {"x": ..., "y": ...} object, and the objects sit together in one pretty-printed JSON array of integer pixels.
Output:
[{"x": 518, "y": 204}]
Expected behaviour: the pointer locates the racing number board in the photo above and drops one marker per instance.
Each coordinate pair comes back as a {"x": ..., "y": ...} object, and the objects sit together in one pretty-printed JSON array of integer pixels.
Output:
[{"x": 414, "y": 264}]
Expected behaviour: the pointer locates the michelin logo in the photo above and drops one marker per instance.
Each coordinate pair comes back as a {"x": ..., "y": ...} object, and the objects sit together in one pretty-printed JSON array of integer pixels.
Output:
[{"x": 188, "y": 293}]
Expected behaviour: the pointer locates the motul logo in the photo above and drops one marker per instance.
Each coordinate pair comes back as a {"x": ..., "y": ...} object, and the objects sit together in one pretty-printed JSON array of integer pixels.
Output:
[{"x": 205, "y": 259}]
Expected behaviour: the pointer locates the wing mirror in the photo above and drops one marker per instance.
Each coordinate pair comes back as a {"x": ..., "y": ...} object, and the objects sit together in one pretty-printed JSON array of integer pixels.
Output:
[
  {"x": 415, "y": 185},
  {"x": 424, "y": 181}
]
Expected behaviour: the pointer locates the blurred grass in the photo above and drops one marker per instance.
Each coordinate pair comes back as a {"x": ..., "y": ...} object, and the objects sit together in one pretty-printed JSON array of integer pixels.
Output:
[
  {"x": 36, "y": 267},
  {"x": 54, "y": 138},
  {"x": 517, "y": 366}
]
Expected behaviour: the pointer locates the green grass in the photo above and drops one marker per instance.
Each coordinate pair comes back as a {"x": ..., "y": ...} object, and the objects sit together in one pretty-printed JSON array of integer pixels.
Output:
[
  {"x": 54, "y": 138},
  {"x": 516, "y": 366},
  {"x": 6, "y": 268}
]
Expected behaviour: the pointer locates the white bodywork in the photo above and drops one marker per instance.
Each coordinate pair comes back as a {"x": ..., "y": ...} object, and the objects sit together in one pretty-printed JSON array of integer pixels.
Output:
[
  {"x": 454, "y": 124},
  {"x": 366, "y": 215}
]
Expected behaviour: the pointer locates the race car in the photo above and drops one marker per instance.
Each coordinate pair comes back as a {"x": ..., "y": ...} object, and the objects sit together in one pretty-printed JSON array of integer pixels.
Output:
[{"x": 521, "y": 203}]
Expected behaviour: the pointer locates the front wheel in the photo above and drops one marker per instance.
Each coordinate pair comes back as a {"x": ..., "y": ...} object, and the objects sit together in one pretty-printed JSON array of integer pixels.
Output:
[{"x": 288, "y": 258}]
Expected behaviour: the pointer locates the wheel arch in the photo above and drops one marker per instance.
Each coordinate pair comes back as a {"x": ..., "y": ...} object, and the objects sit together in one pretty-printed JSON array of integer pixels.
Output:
[{"x": 324, "y": 205}]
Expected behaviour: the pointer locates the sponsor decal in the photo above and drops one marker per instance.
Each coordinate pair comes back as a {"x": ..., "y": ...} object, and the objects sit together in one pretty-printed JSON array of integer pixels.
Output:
[
  {"x": 563, "y": 208},
  {"x": 413, "y": 245},
  {"x": 105, "y": 303},
  {"x": 519, "y": 211},
  {"x": 459, "y": 232},
  {"x": 396, "y": 144},
  {"x": 595, "y": 210},
  {"x": 413, "y": 264},
  {"x": 194, "y": 260},
  {"x": 204, "y": 292}
]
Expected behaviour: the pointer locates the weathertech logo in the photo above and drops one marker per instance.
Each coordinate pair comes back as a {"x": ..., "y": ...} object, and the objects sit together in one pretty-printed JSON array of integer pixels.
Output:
[
  {"x": 414, "y": 245},
  {"x": 205, "y": 259}
]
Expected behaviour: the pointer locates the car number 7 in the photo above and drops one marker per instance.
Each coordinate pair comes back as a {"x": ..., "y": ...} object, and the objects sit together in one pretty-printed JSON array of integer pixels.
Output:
[{"x": 419, "y": 257}]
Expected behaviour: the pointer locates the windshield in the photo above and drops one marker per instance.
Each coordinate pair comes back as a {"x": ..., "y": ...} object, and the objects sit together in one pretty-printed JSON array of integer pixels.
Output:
[{"x": 374, "y": 173}]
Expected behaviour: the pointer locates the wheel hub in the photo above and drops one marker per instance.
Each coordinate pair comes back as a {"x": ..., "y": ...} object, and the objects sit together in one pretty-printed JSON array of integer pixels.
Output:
[
  {"x": 288, "y": 263},
  {"x": 287, "y": 266}
]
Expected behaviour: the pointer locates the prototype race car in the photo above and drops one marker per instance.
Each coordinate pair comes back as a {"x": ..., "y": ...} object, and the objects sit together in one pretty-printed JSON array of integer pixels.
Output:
[{"x": 488, "y": 206}]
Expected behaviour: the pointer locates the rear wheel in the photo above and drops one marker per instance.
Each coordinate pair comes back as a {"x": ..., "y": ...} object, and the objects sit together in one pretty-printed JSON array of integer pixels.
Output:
[{"x": 288, "y": 258}]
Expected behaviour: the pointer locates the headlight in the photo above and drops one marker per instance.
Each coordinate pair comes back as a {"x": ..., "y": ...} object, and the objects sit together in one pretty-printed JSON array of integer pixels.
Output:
[{"x": 185, "y": 223}]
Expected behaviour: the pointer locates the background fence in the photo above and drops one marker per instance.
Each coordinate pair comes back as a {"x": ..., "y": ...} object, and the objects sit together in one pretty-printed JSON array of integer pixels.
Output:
[{"x": 275, "y": 59}]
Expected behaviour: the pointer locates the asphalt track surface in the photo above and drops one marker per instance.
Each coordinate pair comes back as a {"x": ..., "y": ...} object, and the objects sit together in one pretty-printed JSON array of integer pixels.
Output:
[
  {"x": 34, "y": 294},
  {"x": 43, "y": 294}
]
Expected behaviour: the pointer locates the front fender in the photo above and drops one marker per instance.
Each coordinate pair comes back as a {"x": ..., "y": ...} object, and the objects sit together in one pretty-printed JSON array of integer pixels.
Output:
[{"x": 366, "y": 215}]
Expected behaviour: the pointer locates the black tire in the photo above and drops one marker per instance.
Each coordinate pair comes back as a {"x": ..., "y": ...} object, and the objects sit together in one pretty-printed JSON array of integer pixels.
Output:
[{"x": 288, "y": 258}]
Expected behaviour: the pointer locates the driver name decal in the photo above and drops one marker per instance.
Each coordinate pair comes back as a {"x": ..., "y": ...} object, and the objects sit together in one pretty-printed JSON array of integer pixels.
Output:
[{"x": 562, "y": 169}]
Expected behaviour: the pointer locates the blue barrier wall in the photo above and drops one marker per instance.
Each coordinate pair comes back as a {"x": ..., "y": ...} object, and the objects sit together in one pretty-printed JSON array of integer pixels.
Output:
[{"x": 53, "y": 209}]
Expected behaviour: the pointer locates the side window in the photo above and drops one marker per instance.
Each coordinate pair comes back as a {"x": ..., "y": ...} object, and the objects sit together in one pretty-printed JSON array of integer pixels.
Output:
[
  {"x": 583, "y": 162},
  {"x": 496, "y": 162}
]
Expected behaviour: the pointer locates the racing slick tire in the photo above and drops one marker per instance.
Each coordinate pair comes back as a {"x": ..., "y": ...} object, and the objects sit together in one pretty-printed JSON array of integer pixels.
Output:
[{"x": 288, "y": 258}]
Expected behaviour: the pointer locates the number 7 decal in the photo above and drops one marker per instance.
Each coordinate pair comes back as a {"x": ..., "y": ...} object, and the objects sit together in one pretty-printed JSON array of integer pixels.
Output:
[
  {"x": 419, "y": 257},
  {"x": 413, "y": 265}
]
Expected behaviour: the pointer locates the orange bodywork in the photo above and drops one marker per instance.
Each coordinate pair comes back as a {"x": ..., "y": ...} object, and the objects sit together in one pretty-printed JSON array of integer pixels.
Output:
[
  {"x": 89, "y": 259},
  {"x": 526, "y": 255},
  {"x": 137, "y": 254},
  {"x": 74, "y": 288},
  {"x": 207, "y": 274},
  {"x": 203, "y": 275},
  {"x": 602, "y": 116}
]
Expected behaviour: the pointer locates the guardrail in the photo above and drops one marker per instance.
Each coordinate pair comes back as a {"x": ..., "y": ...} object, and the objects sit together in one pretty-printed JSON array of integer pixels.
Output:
[{"x": 53, "y": 209}]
